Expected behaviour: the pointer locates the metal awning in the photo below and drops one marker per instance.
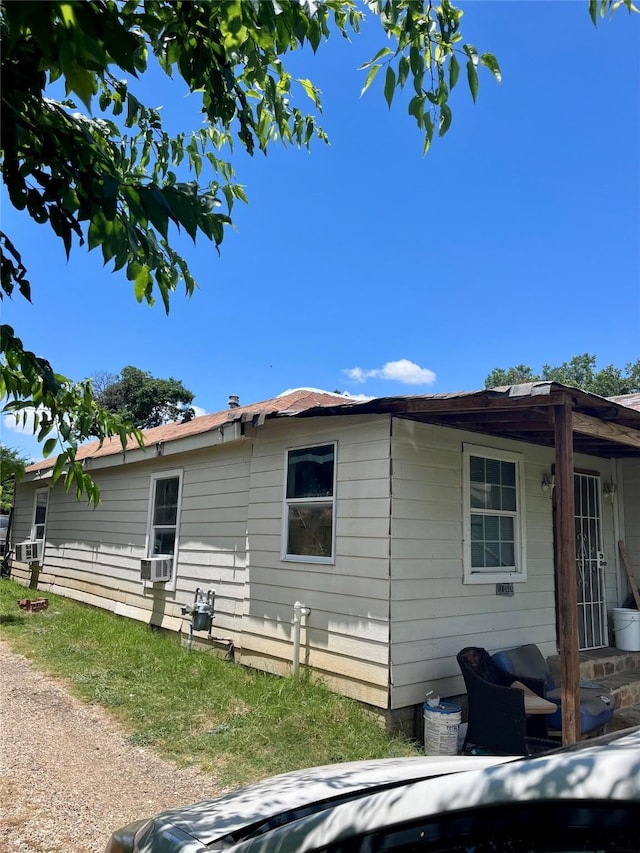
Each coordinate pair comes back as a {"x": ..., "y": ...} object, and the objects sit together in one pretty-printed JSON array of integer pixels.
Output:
[{"x": 601, "y": 427}]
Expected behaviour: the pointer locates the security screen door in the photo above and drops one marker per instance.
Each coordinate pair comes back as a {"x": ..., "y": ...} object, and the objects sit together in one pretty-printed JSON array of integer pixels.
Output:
[{"x": 590, "y": 565}]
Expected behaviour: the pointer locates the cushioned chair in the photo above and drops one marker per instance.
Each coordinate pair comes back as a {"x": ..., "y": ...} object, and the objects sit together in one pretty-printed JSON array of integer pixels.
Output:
[
  {"x": 527, "y": 663},
  {"x": 498, "y": 719}
]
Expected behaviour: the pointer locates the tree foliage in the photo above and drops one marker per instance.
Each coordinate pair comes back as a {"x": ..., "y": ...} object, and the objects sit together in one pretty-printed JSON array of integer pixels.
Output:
[
  {"x": 579, "y": 372},
  {"x": 136, "y": 396},
  {"x": 97, "y": 166},
  {"x": 12, "y": 465}
]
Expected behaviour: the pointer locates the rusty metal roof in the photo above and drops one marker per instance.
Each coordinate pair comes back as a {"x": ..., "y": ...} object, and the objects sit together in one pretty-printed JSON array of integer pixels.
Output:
[
  {"x": 289, "y": 403},
  {"x": 602, "y": 426},
  {"x": 607, "y": 427}
]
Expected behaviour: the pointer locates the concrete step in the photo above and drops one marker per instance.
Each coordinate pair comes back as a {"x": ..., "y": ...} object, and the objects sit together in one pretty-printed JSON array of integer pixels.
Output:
[
  {"x": 618, "y": 671},
  {"x": 625, "y": 718}
]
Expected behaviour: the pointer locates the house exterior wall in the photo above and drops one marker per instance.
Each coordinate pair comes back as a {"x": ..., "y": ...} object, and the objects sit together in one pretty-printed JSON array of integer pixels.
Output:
[
  {"x": 230, "y": 541},
  {"x": 628, "y": 498},
  {"x": 347, "y": 632},
  {"x": 93, "y": 555},
  {"x": 389, "y": 615},
  {"x": 434, "y": 614}
]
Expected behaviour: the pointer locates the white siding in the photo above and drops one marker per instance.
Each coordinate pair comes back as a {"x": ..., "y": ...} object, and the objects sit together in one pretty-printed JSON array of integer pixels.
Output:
[
  {"x": 346, "y": 638},
  {"x": 629, "y": 499},
  {"x": 389, "y": 615},
  {"x": 434, "y": 614},
  {"x": 94, "y": 554}
]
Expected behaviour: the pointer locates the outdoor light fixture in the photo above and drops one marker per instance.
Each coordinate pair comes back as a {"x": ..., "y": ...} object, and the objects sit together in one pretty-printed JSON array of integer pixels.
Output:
[
  {"x": 548, "y": 483},
  {"x": 609, "y": 491}
]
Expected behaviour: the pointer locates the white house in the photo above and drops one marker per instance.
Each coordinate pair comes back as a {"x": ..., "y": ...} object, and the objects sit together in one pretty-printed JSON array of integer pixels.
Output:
[{"x": 409, "y": 526}]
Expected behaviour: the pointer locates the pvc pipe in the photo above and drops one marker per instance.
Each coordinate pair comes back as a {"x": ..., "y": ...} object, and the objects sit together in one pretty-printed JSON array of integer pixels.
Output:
[{"x": 299, "y": 610}]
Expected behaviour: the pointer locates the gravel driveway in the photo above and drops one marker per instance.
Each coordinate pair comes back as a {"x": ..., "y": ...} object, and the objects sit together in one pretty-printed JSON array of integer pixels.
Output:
[{"x": 68, "y": 777}]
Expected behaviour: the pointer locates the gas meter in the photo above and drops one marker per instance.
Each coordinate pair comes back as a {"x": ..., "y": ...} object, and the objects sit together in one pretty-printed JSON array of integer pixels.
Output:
[{"x": 201, "y": 611}]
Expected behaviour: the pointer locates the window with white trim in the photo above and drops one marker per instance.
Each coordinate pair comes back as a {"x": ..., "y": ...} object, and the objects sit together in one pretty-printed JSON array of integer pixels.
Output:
[
  {"x": 493, "y": 515},
  {"x": 40, "y": 507},
  {"x": 164, "y": 514},
  {"x": 309, "y": 504}
]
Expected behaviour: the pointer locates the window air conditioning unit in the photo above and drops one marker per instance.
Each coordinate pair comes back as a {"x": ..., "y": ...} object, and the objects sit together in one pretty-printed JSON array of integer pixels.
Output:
[
  {"x": 156, "y": 569},
  {"x": 29, "y": 552}
]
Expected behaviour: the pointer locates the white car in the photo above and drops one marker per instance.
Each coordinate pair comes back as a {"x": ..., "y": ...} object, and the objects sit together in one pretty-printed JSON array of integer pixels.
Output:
[{"x": 582, "y": 798}]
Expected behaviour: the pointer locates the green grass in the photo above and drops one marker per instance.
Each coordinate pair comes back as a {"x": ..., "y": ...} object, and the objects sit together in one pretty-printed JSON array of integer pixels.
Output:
[{"x": 192, "y": 707}]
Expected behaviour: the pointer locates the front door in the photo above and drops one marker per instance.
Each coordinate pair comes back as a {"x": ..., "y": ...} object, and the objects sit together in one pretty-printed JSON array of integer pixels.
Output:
[{"x": 590, "y": 566}]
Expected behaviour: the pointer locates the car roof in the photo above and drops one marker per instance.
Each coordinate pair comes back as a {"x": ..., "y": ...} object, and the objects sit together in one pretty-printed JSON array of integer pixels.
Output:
[
  {"x": 606, "y": 770},
  {"x": 283, "y": 798}
]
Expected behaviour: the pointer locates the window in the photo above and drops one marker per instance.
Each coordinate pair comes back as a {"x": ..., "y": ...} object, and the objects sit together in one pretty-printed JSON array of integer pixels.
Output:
[
  {"x": 40, "y": 504},
  {"x": 164, "y": 514},
  {"x": 494, "y": 509},
  {"x": 309, "y": 506}
]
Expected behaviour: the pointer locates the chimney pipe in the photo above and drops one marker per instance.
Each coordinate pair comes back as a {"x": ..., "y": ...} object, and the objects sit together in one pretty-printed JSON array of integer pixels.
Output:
[{"x": 234, "y": 401}]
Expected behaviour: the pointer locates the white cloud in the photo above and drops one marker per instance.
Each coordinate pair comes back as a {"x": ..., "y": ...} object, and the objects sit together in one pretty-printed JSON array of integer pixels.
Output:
[
  {"x": 199, "y": 411},
  {"x": 14, "y": 421},
  {"x": 404, "y": 371}
]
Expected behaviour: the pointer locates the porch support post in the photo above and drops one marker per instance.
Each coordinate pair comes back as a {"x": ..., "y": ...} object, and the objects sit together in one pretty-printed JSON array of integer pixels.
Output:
[{"x": 566, "y": 573}]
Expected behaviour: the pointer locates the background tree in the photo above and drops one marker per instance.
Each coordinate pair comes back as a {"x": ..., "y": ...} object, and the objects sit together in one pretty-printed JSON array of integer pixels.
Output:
[
  {"x": 101, "y": 379},
  {"x": 99, "y": 168},
  {"x": 12, "y": 466},
  {"x": 580, "y": 372},
  {"x": 136, "y": 396}
]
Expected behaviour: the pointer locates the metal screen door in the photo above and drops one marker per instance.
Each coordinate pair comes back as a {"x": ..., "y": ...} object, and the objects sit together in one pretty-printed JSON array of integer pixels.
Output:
[{"x": 590, "y": 565}]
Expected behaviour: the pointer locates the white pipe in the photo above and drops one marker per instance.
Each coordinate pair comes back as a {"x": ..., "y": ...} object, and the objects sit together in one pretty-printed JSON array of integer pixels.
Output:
[{"x": 299, "y": 610}]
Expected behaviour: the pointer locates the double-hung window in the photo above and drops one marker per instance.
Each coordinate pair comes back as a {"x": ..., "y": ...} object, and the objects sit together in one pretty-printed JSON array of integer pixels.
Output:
[
  {"x": 163, "y": 527},
  {"x": 493, "y": 516},
  {"x": 39, "y": 523},
  {"x": 309, "y": 504}
]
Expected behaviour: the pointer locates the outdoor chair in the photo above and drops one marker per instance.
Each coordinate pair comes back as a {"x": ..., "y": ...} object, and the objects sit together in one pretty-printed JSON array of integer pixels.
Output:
[
  {"x": 505, "y": 717},
  {"x": 527, "y": 664}
]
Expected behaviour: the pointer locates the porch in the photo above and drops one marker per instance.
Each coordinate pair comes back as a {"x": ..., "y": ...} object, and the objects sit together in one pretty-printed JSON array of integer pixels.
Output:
[{"x": 619, "y": 673}]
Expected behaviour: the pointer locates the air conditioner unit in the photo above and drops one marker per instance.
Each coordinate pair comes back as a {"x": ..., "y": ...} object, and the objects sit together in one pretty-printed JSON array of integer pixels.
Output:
[
  {"x": 156, "y": 569},
  {"x": 30, "y": 551}
]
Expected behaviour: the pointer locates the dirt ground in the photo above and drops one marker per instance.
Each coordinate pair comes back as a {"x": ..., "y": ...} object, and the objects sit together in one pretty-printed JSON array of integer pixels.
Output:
[{"x": 68, "y": 776}]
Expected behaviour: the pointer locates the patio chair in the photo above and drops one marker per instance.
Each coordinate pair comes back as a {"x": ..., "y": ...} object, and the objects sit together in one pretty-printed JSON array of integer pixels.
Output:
[
  {"x": 505, "y": 717},
  {"x": 527, "y": 662}
]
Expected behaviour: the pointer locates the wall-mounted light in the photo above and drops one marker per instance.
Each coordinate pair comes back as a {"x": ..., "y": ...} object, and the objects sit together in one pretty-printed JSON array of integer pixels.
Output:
[
  {"x": 609, "y": 491},
  {"x": 548, "y": 484}
]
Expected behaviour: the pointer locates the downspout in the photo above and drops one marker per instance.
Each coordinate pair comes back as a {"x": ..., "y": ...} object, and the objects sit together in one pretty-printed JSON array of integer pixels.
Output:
[{"x": 299, "y": 611}]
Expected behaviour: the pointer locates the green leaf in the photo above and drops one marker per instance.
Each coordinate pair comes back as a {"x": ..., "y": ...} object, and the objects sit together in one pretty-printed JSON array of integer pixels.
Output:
[
  {"x": 58, "y": 468},
  {"x": 185, "y": 207},
  {"x": 385, "y": 51},
  {"x": 428, "y": 136},
  {"x": 416, "y": 108},
  {"x": 82, "y": 82},
  {"x": 49, "y": 447},
  {"x": 454, "y": 71},
  {"x": 471, "y": 52},
  {"x": 372, "y": 73},
  {"x": 156, "y": 208},
  {"x": 445, "y": 119},
  {"x": 311, "y": 91},
  {"x": 489, "y": 61},
  {"x": 141, "y": 283},
  {"x": 593, "y": 11},
  {"x": 472, "y": 76},
  {"x": 403, "y": 70},
  {"x": 389, "y": 85}
]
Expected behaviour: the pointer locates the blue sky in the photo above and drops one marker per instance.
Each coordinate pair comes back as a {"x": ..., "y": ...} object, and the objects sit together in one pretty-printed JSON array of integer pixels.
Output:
[{"x": 515, "y": 240}]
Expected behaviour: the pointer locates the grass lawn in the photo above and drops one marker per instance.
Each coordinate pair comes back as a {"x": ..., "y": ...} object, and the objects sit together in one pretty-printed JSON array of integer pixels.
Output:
[{"x": 192, "y": 707}]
